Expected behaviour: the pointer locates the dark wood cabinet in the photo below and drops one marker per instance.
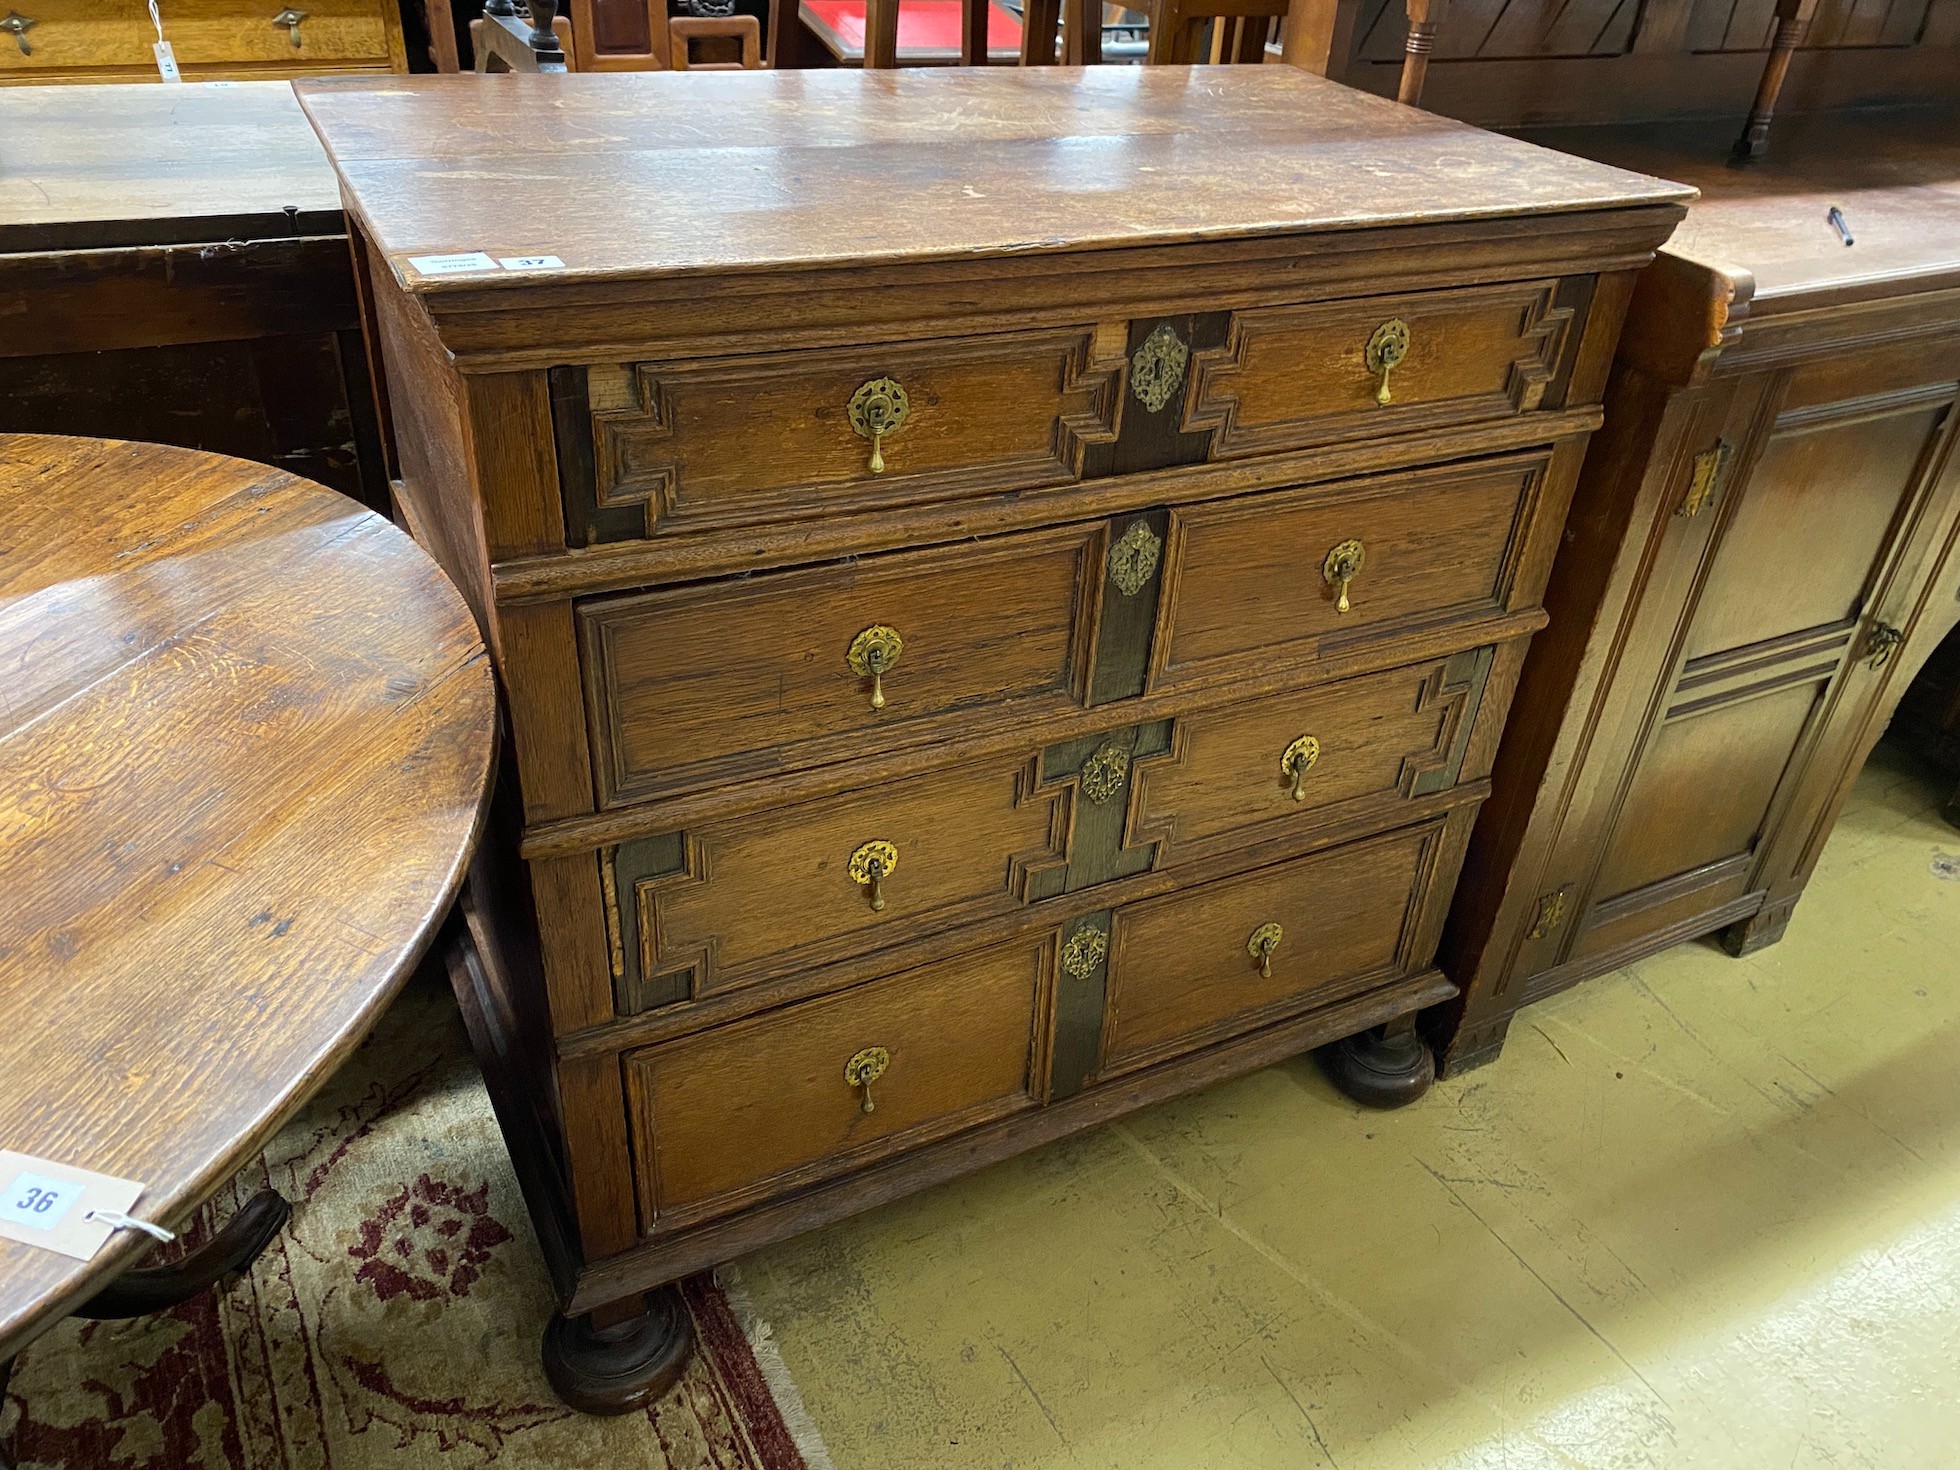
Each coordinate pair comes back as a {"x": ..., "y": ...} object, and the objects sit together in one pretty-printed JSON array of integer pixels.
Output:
[
  {"x": 1759, "y": 554},
  {"x": 889, "y": 795}
]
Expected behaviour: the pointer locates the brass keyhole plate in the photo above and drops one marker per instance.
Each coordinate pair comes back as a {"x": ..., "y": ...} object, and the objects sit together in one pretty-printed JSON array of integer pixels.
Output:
[
  {"x": 1084, "y": 951},
  {"x": 874, "y": 651},
  {"x": 866, "y": 1066},
  {"x": 1263, "y": 942},
  {"x": 1297, "y": 759}
]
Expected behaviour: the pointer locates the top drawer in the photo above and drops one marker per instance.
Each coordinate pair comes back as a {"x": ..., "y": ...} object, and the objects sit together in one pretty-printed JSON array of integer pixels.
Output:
[
  {"x": 649, "y": 449},
  {"x": 653, "y": 449}
]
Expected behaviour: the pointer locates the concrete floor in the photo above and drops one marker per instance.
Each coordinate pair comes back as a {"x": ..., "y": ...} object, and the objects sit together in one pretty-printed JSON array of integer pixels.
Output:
[{"x": 1703, "y": 1212}]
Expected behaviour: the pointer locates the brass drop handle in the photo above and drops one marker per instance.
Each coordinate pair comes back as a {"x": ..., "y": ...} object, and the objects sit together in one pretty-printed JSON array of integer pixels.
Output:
[
  {"x": 1265, "y": 939},
  {"x": 1881, "y": 643},
  {"x": 870, "y": 866},
  {"x": 1385, "y": 351},
  {"x": 290, "y": 19},
  {"x": 1342, "y": 566},
  {"x": 877, "y": 410},
  {"x": 1299, "y": 758},
  {"x": 864, "y": 1068},
  {"x": 874, "y": 654},
  {"x": 18, "y": 25}
]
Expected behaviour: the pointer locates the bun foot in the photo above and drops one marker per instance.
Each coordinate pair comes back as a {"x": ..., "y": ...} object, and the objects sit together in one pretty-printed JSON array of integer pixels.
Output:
[
  {"x": 1381, "y": 1071},
  {"x": 623, "y": 1367}
]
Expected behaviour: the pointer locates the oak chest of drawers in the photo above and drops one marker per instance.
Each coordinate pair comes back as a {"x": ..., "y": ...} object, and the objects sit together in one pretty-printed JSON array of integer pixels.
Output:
[
  {"x": 1006, "y": 600},
  {"x": 113, "y": 40}
]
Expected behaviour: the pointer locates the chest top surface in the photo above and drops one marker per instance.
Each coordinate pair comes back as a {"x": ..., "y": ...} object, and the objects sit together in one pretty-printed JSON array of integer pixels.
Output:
[
  {"x": 1893, "y": 174},
  {"x": 657, "y": 174},
  {"x": 90, "y": 166}
]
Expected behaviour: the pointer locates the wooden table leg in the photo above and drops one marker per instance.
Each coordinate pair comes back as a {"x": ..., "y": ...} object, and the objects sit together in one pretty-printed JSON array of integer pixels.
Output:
[{"x": 228, "y": 1253}]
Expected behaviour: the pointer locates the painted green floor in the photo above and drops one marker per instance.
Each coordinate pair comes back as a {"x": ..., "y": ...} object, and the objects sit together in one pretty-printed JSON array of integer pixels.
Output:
[{"x": 1703, "y": 1212}]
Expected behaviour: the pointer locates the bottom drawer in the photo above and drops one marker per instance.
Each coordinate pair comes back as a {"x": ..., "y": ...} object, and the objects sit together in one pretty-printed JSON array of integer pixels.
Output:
[
  {"x": 764, "y": 1105},
  {"x": 1197, "y": 966}
]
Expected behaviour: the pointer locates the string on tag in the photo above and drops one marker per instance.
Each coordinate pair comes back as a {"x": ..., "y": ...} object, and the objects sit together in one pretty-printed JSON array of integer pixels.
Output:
[
  {"x": 116, "y": 1219},
  {"x": 156, "y": 19}
]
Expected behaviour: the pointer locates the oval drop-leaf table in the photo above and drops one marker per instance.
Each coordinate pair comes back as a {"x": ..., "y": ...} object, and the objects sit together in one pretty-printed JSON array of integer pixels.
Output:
[{"x": 247, "y": 729}]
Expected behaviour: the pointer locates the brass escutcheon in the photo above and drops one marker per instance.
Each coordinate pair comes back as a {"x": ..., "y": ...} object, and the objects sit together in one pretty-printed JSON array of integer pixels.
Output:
[
  {"x": 1103, "y": 773},
  {"x": 1385, "y": 350},
  {"x": 1297, "y": 759},
  {"x": 874, "y": 654},
  {"x": 1265, "y": 939},
  {"x": 1342, "y": 566},
  {"x": 1084, "y": 951},
  {"x": 1157, "y": 367},
  {"x": 870, "y": 866},
  {"x": 877, "y": 410},
  {"x": 1133, "y": 558},
  {"x": 864, "y": 1068}
]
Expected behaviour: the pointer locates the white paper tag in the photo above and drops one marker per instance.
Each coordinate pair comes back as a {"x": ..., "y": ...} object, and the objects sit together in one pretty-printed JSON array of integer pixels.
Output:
[
  {"x": 48, "y": 1204},
  {"x": 167, "y": 62},
  {"x": 530, "y": 262},
  {"x": 449, "y": 265}
]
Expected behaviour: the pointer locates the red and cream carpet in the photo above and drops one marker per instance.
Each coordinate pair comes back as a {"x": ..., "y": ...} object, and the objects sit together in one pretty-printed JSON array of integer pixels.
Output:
[{"x": 395, "y": 1322}]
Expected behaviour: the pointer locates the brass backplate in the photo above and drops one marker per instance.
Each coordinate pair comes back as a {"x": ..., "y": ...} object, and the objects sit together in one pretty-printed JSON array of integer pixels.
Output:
[
  {"x": 1388, "y": 346},
  {"x": 878, "y": 409},
  {"x": 1344, "y": 563},
  {"x": 878, "y": 851},
  {"x": 874, "y": 651},
  {"x": 1302, "y": 755},
  {"x": 866, "y": 1066},
  {"x": 1264, "y": 940}
]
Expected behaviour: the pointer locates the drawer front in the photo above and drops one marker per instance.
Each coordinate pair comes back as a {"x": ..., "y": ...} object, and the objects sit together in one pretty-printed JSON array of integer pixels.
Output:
[
  {"x": 764, "y": 1104},
  {"x": 730, "y": 903},
  {"x": 1291, "y": 377},
  {"x": 654, "y": 448},
  {"x": 1258, "y": 582},
  {"x": 77, "y": 35},
  {"x": 227, "y": 32},
  {"x": 90, "y": 35},
  {"x": 1183, "y": 973},
  {"x": 695, "y": 685},
  {"x": 1352, "y": 750}
]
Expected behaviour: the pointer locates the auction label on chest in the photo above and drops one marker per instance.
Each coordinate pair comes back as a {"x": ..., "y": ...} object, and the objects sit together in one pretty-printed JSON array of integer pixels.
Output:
[{"x": 59, "y": 1207}]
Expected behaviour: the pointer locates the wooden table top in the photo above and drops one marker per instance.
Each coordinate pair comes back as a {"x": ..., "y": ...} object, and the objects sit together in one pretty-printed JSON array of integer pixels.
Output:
[
  {"x": 651, "y": 174},
  {"x": 1894, "y": 173},
  {"x": 248, "y": 730},
  {"x": 89, "y": 166}
]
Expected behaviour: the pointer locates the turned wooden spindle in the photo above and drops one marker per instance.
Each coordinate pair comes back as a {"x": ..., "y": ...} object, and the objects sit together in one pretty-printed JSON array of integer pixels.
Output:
[
  {"x": 1792, "y": 25},
  {"x": 1424, "y": 17}
]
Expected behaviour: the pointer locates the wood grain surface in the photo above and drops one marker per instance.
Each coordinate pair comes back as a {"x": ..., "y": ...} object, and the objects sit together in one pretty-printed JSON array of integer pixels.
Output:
[
  {"x": 1894, "y": 173},
  {"x": 637, "y": 174},
  {"x": 90, "y": 166},
  {"x": 247, "y": 728}
]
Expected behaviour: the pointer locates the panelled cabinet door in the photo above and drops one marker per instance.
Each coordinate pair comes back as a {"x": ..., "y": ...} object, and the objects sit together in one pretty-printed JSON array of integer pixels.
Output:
[{"x": 1817, "y": 499}]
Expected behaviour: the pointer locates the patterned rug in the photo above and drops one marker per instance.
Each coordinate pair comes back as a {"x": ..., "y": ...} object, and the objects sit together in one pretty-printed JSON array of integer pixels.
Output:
[{"x": 395, "y": 1321}]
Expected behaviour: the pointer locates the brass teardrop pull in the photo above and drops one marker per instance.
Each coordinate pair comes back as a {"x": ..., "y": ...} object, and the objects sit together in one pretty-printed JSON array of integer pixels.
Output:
[
  {"x": 1299, "y": 758},
  {"x": 878, "y": 409},
  {"x": 863, "y": 1069},
  {"x": 874, "y": 654},
  {"x": 870, "y": 866},
  {"x": 1342, "y": 566},
  {"x": 1881, "y": 643},
  {"x": 1385, "y": 351},
  {"x": 1265, "y": 939}
]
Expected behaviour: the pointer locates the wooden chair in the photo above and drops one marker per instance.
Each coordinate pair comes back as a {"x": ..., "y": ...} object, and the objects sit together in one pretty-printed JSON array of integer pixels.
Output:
[
  {"x": 881, "y": 33},
  {"x": 506, "y": 41},
  {"x": 1239, "y": 30}
]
